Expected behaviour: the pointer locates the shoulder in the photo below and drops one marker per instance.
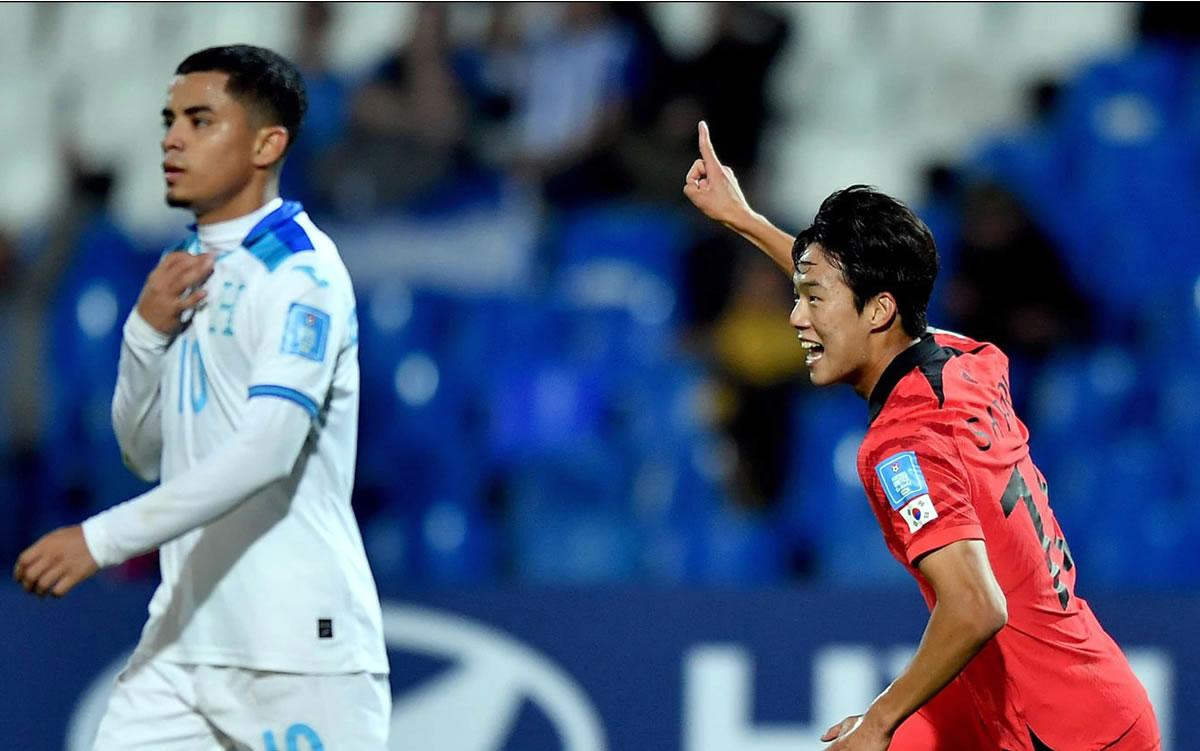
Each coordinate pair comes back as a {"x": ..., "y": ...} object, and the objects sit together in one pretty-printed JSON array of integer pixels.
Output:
[
  {"x": 297, "y": 254},
  {"x": 972, "y": 350},
  {"x": 278, "y": 241},
  {"x": 923, "y": 428}
]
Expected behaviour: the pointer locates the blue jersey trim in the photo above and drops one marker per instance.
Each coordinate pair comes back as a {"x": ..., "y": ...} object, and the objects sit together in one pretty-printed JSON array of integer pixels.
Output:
[
  {"x": 277, "y": 236},
  {"x": 189, "y": 245},
  {"x": 283, "y": 392}
]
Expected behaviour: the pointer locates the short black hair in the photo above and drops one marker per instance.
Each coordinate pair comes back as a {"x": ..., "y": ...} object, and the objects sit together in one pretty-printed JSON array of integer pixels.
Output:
[
  {"x": 263, "y": 80},
  {"x": 879, "y": 245}
]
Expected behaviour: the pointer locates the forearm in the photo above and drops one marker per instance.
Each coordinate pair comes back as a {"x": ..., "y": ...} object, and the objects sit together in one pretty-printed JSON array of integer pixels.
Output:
[
  {"x": 765, "y": 236},
  {"x": 264, "y": 450},
  {"x": 953, "y": 637},
  {"x": 136, "y": 405}
]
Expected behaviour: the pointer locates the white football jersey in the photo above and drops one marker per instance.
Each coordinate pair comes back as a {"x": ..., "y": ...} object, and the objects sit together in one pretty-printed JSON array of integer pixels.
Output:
[{"x": 276, "y": 579}]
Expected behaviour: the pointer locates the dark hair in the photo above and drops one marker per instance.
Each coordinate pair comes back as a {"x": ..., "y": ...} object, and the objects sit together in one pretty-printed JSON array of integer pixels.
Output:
[
  {"x": 261, "y": 79},
  {"x": 879, "y": 245}
]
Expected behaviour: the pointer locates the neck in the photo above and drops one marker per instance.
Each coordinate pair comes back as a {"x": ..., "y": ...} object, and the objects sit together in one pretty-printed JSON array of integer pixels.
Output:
[
  {"x": 880, "y": 357},
  {"x": 250, "y": 198}
]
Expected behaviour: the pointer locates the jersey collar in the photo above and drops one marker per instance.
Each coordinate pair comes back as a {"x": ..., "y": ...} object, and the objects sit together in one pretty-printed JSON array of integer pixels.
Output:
[
  {"x": 285, "y": 213},
  {"x": 922, "y": 354}
]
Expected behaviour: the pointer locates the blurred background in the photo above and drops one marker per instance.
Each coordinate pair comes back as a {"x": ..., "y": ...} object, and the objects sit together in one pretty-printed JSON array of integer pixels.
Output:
[{"x": 574, "y": 385}]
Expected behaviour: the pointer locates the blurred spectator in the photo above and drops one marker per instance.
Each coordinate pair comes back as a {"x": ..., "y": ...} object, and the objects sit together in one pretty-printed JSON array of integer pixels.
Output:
[
  {"x": 328, "y": 103},
  {"x": 1172, "y": 23},
  {"x": 45, "y": 374},
  {"x": 407, "y": 134},
  {"x": 729, "y": 79},
  {"x": 726, "y": 84},
  {"x": 1010, "y": 285},
  {"x": 573, "y": 101},
  {"x": 762, "y": 364}
]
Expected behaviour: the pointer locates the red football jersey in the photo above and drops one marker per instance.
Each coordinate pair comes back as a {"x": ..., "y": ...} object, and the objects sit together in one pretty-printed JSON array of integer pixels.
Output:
[{"x": 946, "y": 459}]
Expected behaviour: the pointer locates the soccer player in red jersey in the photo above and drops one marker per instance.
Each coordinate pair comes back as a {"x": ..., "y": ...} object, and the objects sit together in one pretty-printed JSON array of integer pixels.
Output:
[{"x": 1011, "y": 659}]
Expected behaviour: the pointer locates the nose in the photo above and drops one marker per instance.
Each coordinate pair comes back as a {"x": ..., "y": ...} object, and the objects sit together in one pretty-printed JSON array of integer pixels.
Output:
[
  {"x": 799, "y": 318},
  {"x": 172, "y": 139}
]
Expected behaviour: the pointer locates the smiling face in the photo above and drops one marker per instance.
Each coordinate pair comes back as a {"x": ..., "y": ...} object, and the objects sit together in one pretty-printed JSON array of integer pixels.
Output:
[{"x": 828, "y": 323}]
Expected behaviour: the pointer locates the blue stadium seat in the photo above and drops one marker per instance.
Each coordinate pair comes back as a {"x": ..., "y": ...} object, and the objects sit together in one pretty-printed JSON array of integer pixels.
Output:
[
  {"x": 1078, "y": 393},
  {"x": 544, "y": 409},
  {"x": 93, "y": 299},
  {"x": 389, "y": 540},
  {"x": 621, "y": 257},
  {"x": 822, "y": 474},
  {"x": 571, "y": 545},
  {"x": 825, "y": 507},
  {"x": 720, "y": 546},
  {"x": 456, "y": 545},
  {"x": 416, "y": 443}
]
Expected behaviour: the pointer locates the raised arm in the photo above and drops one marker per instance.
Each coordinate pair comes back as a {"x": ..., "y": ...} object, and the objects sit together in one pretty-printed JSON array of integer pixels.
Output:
[
  {"x": 713, "y": 188},
  {"x": 172, "y": 289}
]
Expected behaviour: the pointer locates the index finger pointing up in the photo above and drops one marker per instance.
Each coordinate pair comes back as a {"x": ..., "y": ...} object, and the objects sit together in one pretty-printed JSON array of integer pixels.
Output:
[{"x": 706, "y": 148}]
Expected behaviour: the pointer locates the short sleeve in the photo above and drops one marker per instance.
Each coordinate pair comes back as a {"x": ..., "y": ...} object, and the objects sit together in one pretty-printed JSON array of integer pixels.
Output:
[
  {"x": 920, "y": 488},
  {"x": 303, "y": 317}
]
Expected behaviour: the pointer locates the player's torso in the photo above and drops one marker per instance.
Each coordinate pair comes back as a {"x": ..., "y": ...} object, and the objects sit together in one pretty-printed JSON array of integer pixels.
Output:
[
  {"x": 209, "y": 364},
  {"x": 230, "y": 594},
  {"x": 1053, "y": 667}
]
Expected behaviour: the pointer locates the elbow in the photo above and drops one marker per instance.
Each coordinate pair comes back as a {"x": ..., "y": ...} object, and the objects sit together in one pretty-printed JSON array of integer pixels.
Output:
[
  {"x": 145, "y": 471},
  {"x": 280, "y": 465}
]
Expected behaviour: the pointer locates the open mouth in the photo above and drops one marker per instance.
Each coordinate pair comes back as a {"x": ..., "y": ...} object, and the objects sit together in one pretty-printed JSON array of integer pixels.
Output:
[{"x": 813, "y": 351}]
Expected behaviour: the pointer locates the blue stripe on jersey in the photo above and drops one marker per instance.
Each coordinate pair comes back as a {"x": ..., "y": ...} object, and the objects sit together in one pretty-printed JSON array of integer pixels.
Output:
[
  {"x": 283, "y": 392},
  {"x": 189, "y": 244},
  {"x": 274, "y": 239}
]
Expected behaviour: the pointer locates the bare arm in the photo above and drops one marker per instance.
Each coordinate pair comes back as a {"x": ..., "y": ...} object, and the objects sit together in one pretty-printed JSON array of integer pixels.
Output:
[
  {"x": 713, "y": 188},
  {"x": 970, "y": 610}
]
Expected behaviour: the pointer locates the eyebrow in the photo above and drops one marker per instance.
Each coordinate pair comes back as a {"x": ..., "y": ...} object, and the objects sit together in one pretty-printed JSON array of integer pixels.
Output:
[{"x": 194, "y": 110}]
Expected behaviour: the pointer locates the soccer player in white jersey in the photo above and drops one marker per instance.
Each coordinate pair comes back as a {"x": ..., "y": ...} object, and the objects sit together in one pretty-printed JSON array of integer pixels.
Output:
[{"x": 238, "y": 388}]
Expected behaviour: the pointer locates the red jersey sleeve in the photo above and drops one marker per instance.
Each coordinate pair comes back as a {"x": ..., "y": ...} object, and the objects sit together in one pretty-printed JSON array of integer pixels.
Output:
[{"x": 919, "y": 486}]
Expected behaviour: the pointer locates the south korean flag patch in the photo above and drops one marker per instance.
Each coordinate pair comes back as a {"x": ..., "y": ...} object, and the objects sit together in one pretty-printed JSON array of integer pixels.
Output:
[
  {"x": 918, "y": 512},
  {"x": 907, "y": 491}
]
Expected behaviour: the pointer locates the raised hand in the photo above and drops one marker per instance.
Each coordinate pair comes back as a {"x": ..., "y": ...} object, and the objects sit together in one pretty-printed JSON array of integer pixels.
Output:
[
  {"x": 713, "y": 187},
  {"x": 166, "y": 296}
]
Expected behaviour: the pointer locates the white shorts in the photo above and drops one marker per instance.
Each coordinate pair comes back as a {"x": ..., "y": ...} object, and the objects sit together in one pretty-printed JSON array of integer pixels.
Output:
[{"x": 172, "y": 707}]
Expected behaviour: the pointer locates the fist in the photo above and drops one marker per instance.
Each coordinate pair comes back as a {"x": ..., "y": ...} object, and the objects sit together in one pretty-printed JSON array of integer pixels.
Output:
[
  {"x": 56, "y": 563},
  {"x": 173, "y": 288}
]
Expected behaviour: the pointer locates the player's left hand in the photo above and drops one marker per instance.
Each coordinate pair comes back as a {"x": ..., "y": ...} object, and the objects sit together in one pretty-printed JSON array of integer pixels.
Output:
[
  {"x": 853, "y": 734},
  {"x": 56, "y": 563}
]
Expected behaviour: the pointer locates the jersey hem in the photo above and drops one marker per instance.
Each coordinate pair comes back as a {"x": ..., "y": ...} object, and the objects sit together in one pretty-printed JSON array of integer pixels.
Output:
[{"x": 264, "y": 662}]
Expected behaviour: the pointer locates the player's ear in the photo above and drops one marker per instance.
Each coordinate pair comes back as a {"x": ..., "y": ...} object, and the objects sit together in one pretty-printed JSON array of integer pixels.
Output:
[
  {"x": 881, "y": 311},
  {"x": 269, "y": 145}
]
